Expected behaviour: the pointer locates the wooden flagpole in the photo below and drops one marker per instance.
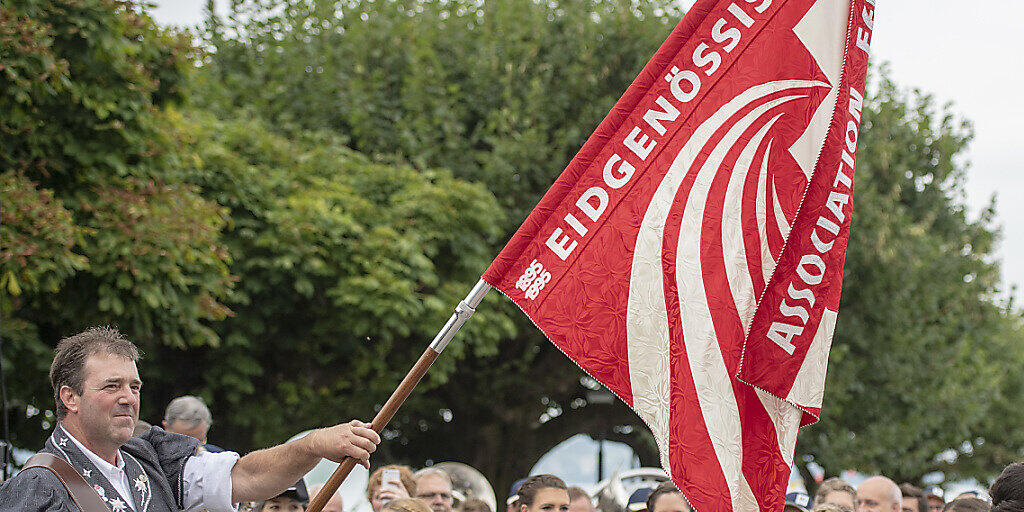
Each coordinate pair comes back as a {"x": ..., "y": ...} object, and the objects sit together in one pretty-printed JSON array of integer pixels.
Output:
[{"x": 463, "y": 311}]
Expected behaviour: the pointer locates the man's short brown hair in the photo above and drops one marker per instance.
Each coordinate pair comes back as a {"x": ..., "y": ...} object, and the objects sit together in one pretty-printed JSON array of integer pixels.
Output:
[
  {"x": 666, "y": 487},
  {"x": 68, "y": 367},
  {"x": 831, "y": 485}
]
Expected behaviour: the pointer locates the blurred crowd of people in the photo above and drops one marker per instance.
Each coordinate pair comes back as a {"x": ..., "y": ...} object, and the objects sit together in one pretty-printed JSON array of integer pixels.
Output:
[
  {"x": 400, "y": 488},
  {"x": 881, "y": 494}
]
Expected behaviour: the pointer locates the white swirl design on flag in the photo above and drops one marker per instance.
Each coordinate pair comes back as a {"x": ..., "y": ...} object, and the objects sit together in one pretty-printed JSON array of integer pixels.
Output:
[{"x": 647, "y": 322}]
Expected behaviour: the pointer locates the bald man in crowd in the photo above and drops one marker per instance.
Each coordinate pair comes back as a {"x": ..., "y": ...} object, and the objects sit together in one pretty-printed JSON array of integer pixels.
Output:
[{"x": 879, "y": 494}]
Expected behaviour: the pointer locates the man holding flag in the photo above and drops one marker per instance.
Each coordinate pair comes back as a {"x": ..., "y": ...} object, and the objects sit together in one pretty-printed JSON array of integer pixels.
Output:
[{"x": 92, "y": 463}]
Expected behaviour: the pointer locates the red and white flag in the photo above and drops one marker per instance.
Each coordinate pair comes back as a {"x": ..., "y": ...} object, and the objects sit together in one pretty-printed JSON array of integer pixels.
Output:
[{"x": 690, "y": 257}]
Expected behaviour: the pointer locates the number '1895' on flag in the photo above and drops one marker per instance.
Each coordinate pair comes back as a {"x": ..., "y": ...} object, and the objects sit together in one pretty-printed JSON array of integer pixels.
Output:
[{"x": 690, "y": 256}]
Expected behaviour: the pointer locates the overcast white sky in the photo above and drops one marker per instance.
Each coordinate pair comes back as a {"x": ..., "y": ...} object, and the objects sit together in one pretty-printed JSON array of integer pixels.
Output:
[{"x": 956, "y": 50}]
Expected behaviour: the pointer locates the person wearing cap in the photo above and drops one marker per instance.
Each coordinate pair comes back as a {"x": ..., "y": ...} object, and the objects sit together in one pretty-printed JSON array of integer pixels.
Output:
[
  {"x": 797, "y": 502},
  {"x": 667, "y": 498},
  {"x": 579, "y": 500},
  {"x": 971, "y": 493},
  {"x": 638, "y": 500},
  {"x": 293, "y": 499}
]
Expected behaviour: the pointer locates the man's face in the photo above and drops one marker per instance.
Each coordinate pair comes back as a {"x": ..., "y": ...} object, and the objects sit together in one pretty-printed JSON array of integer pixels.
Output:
[
  {"x": 283, "y": 504},
  {"x": 436, "y": 491},
  {"x": 875, "y": 496},
  {"x": 581, "y": 504},
  {"x": 909, "y": 504},
  {"x": 109, "y": 405},
  {"x": 842, "y": 498},
  {"x": 935, "y": 504},
  {"x": 197, "y": 431}
]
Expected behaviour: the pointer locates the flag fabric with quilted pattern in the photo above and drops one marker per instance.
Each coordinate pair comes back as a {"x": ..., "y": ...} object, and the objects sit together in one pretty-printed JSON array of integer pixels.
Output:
[{"x": 690, "y": 257}]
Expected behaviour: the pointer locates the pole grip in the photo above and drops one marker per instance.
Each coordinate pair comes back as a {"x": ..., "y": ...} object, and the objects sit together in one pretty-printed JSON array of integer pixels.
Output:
[
  {"x": 379, "y": 422},
  {"x": 463, "y": 311}
]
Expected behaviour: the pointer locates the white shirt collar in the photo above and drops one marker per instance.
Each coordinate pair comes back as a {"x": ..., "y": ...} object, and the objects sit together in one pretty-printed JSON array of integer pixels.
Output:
[
  {"x": 107, "y": 468},
  {"x": 113, "y": 473}
]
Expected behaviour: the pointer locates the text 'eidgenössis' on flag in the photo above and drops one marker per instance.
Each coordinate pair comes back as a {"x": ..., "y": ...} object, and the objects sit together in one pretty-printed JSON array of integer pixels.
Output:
[{"x": 690, "y": 257}]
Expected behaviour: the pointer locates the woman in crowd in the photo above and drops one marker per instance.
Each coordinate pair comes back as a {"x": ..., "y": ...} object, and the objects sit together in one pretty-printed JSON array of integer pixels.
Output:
[
  {"x": 378, "y": 495},
  {"x": 543, "y": 493}
]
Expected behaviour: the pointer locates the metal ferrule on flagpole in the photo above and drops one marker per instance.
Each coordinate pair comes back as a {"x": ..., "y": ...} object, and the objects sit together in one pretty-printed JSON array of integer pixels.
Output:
[{"x": 463, "y": 311}]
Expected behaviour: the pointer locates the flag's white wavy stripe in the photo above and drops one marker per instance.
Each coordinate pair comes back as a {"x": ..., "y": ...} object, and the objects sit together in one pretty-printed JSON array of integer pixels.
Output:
[
  {"x": 809, "y": 385},
  {"x": 767, "y": 260},
  {"x": 733, "y": 250},
  {"x": 786, "y": 419},
  {"x": 646, "y": 315},
  {"x": 707, "y": 364}
]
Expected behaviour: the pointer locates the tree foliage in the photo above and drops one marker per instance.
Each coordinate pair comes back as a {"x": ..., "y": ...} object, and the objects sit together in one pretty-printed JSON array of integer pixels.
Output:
[
  {"x": 98, "y": 226},
  {"x": 345, "y": 268},
  {"x": 217, "y": 246},
  {"x": 500, "y": 92}
]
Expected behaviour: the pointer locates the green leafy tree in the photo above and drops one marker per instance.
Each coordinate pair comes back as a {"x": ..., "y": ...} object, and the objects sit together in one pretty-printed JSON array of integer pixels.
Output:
[
  {"x": 345, "y": 269},
  {"x": 502, "y": 92},
  {"x": 98, "y": 227}
]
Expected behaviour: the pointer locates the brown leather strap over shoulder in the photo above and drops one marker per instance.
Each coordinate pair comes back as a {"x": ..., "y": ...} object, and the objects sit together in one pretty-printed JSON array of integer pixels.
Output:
[{"x": 84, "y": 496}]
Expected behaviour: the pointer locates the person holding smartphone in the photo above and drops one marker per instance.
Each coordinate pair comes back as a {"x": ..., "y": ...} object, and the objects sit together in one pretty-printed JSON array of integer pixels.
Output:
[{"x": 389, "y": 483}]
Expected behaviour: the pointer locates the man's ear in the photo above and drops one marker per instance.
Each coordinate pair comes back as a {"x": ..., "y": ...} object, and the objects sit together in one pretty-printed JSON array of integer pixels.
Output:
[{"x": 70, "y": 399}]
